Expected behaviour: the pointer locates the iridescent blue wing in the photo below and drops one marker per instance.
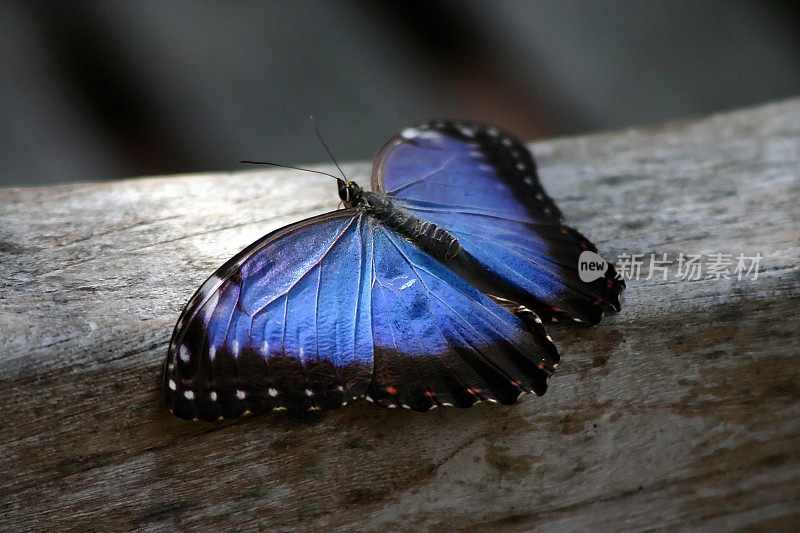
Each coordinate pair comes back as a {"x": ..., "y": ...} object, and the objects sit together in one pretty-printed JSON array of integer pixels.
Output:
[
  {"x": 337, "y": 307},
  {"x": 481, "y": 185},
  {"x": 440, "y": 341},
  {"x": 283, "y": 324}
]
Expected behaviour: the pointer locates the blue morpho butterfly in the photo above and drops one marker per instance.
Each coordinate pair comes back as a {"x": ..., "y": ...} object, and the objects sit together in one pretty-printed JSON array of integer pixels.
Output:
[{"x": 428, "y": 290}]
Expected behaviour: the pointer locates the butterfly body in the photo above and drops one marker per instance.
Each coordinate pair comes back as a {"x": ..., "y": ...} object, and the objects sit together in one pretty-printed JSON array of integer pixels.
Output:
[
  {"x": 425, "y": 291},
  {"x": 432, "y": 239}
]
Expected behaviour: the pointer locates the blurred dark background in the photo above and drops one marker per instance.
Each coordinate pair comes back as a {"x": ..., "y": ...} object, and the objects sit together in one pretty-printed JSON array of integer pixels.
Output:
[{"x": 94, "y": 90}]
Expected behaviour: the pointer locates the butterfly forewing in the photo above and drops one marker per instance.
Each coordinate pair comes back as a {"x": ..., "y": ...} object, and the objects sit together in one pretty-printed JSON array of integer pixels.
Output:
[
  {"x": 279, "y": 326},
  {"x": 481, "y": 185}
]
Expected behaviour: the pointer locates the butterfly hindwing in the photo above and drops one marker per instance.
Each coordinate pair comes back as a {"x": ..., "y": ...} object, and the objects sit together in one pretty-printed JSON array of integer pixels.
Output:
[
  {"x": 481, "y": 185},
  {"x": 439, "y": 341}
]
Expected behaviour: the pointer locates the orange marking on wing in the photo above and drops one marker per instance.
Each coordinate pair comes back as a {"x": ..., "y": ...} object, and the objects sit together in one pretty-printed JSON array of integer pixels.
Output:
[
  {"x": 430, "y": 394},
  {"x": 516, "y": 383},
  {"x": 474, "y": 391},
  {"x": 391, "y": 390}
]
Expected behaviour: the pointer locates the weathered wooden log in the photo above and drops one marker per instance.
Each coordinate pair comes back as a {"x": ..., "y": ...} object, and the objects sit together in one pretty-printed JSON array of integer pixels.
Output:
[{"x": 682, "y": 410}]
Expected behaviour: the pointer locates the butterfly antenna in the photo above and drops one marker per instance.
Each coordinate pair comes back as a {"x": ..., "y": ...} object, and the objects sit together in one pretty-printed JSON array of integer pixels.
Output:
[
  {"x": 289, "y": 166},
  {"x": 319, "y": 136}
]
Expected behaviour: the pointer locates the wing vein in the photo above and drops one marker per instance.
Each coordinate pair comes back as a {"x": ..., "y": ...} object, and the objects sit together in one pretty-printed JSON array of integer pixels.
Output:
[
  {"x": 423, "y": 178},
  {"x": 316, "y": 263}
]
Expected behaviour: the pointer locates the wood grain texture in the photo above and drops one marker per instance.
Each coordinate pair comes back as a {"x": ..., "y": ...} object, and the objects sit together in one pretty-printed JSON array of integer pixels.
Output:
[{"x": 684, "y": 410}]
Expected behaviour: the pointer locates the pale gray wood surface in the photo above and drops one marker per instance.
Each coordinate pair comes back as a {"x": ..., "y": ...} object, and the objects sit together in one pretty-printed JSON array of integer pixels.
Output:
[{"x": 684, "y": 410}]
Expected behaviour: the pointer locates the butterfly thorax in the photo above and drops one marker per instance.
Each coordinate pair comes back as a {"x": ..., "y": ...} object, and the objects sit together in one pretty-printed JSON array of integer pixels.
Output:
[{"x": 431, "y": 238}]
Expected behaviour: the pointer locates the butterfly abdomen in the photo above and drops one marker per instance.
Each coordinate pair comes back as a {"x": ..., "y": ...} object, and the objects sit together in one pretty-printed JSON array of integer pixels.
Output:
[{"x": 432, "y": 239}]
